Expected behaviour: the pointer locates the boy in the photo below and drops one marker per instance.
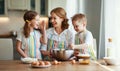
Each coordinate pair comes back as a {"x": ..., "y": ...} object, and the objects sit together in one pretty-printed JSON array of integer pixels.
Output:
[{"x": 83, "y": 37}]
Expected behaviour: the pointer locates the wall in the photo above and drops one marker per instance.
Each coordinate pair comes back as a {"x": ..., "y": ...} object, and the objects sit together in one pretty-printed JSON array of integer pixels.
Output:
[
  {"x": 14, "y": 22},
  {"x": 92, "y": 9}
]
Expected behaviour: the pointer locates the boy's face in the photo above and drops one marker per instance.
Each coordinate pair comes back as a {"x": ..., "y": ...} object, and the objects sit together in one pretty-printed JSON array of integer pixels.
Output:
[{"x": 78, "y": 26}]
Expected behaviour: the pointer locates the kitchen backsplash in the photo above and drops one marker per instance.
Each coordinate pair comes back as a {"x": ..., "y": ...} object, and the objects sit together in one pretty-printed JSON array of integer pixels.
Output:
[{"x": 14, "y": 22}]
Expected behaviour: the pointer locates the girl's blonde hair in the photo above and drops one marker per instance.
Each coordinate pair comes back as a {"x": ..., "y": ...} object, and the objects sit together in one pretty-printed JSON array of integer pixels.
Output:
[
  {"x": 28, "y": 16},
  {"x": 60, "y": 12}
]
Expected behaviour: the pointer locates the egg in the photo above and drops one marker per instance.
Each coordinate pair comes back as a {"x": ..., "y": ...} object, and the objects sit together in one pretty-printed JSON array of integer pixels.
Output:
[
  {"x": 34, "y": 63},
  {"x": 59, "y": 62},
  {"x": 55, "y": 62},
  {"x": 73, "y": 61},
  {"x": 47, "y": 63},
  {"x": 41, "y": 63}
]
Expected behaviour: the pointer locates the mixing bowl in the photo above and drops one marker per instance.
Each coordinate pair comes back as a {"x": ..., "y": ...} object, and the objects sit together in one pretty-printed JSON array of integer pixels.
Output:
[{"x": 62, "y": 55}]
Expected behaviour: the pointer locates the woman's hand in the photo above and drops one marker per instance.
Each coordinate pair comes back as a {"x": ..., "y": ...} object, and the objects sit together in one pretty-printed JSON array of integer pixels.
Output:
[{"x": 46, "y": 53}]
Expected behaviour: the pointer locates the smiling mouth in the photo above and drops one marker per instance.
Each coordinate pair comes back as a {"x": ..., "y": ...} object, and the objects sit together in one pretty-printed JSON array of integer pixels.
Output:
[{"x": 53, "y": 24}]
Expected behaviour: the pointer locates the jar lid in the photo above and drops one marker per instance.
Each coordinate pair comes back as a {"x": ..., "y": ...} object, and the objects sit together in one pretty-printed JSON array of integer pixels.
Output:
[{"x": 109, "y": 39}]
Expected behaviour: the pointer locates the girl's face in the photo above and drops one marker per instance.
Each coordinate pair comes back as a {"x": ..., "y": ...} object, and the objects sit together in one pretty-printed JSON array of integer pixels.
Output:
[
  {"x": 78, "y": 26},
  {"x": 56, "y": 20},
  {"x": 35, "y": 22}
]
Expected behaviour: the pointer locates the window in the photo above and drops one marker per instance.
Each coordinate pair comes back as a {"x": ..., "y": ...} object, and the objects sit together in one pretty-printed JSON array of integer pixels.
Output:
[{"x": 112, "y": 23}]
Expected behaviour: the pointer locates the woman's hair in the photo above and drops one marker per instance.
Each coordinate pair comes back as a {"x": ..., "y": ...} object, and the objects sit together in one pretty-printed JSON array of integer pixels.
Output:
[
  {"x": 60, "y": 12},
  {"x": 28, "y": 16},
  {"x": 79, "y": 17}
]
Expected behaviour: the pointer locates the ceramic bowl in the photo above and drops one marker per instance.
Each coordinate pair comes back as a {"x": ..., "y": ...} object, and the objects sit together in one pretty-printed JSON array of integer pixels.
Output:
[{"x": 111, "y": 61}]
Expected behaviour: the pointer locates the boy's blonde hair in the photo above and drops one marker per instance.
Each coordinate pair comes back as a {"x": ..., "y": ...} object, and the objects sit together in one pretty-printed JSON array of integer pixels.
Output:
[{"x": 79, "y": 17}]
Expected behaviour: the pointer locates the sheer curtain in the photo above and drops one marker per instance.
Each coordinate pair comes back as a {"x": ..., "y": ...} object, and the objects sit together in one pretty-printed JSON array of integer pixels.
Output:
[{"x": 110, "y": 24}]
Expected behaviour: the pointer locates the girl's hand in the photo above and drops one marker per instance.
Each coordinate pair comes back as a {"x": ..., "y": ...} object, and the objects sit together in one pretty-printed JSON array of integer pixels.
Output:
[
  {"x": 42, "y": 26},
  {"x": 43, "y": 38}
]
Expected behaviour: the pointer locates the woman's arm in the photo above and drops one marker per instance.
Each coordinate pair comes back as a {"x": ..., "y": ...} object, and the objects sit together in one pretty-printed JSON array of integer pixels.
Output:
[{"x": 19, "y": 49}]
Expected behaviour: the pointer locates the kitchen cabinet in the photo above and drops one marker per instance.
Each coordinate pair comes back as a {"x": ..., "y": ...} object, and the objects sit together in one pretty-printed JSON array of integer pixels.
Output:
[
  {"x": 19, "y": 4},
  {"x": 39, "y": 6},
  {"x": 3, "y": 9},
  {"x": 56, "y": 3},
  {"x": 8, "y": 44},
  {"x": 6, "y": 49}
]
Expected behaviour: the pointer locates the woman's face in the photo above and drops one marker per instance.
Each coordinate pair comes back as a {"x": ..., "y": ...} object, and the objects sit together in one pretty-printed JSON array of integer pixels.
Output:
[
  {"x": 56, "y": 20},
  {"x": 78, "y": 26},
  {"x": 35, "y": 22}
]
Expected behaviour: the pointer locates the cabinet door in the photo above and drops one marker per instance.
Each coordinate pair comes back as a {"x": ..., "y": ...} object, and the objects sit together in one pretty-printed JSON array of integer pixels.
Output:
[
  {"x": 6, "y": 49},
  {"x": 56, "y": 3},
  {"x": 19, "y": 4}
]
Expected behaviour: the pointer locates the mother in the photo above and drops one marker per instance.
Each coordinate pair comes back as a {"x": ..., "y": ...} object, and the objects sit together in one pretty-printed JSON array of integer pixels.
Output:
[{"x": 59, "y": 36}]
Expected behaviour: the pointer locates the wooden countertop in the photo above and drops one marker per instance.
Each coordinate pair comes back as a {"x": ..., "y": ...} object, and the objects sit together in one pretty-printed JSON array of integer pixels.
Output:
[
  {"x": 101, "y": 63},
  {"x": 16, "y": 65}
]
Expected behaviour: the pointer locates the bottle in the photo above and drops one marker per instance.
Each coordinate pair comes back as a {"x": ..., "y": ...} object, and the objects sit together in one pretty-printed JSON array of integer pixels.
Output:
[{"x": 110, "y": 48}]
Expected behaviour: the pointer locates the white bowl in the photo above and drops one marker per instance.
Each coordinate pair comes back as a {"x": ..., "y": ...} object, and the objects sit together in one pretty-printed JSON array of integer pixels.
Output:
[
  {"x": 111, "y": 61},
  {"x": 28, "y": 60}
]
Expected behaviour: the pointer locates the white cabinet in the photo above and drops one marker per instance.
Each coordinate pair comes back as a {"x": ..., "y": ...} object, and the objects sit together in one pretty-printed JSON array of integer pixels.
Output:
[
  {"x": 19, "y": 4},
  {"x": 6, "y": 49},
  {"x": 39, "y": 6},
  {"x": 56, "y": 3}
]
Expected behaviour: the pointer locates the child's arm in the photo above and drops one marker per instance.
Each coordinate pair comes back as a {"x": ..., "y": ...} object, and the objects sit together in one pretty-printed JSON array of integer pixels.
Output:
[
  {"x": 19, "y": 49},
  {"x": 43, "y": 39}
]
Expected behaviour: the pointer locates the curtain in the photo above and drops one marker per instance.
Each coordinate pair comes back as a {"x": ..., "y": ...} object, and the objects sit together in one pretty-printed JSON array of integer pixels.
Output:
[
  {"x": 101, "y": 49},
  {"x": 110, "y": 24}
]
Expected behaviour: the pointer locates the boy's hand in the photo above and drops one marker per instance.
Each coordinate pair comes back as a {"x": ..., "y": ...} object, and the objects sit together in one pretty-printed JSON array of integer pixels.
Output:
[{"x": 76, "y": 52}]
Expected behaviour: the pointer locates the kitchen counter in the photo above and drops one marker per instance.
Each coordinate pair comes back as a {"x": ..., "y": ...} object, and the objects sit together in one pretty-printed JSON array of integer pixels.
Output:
[
  {"x": 17, "y": 65},
  {"x": 108, "y": 67}
]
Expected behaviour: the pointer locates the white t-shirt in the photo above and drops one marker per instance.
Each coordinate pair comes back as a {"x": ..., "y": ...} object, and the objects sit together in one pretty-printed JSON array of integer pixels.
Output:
[{"x": 30, "y": 45}]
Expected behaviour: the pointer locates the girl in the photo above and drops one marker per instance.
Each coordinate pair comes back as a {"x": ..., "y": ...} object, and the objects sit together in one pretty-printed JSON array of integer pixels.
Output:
[{"x": 29, "y": 40}]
